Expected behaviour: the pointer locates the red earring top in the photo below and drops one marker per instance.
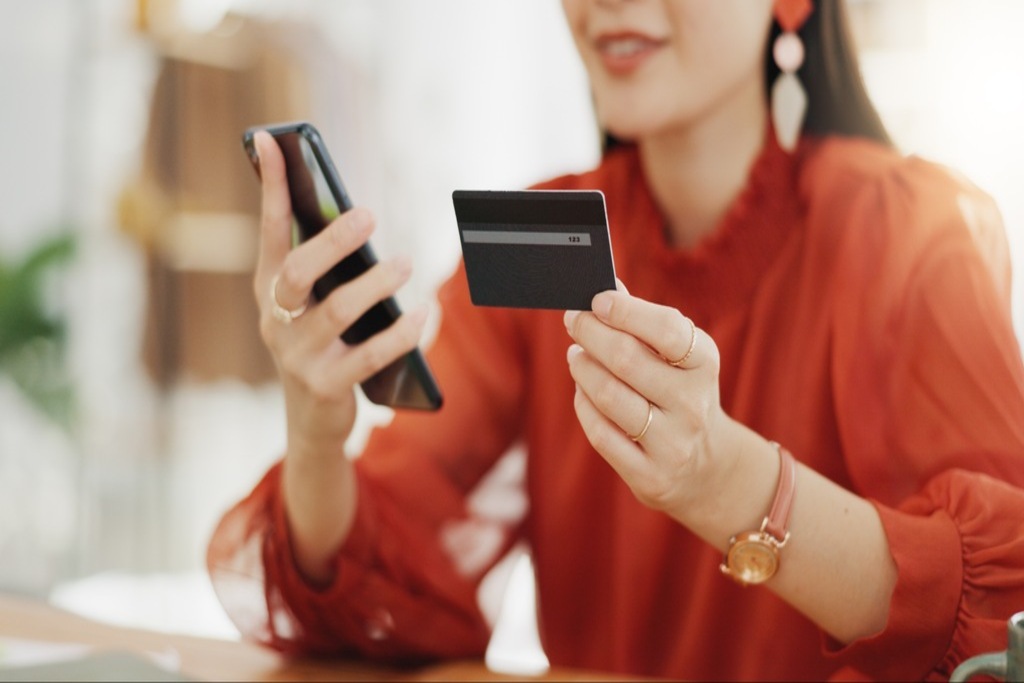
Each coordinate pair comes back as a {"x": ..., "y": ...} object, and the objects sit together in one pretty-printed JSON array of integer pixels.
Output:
[{"x": 791, "y": 14}]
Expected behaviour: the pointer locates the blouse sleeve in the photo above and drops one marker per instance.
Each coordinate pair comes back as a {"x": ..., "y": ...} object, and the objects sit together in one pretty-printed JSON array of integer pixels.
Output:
[
  {"x": 929, "y": 390},
  {"x": 424, "y": 536}
]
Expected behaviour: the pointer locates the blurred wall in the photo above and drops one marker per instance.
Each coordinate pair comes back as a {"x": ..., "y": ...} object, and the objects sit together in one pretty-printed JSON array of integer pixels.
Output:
[{"x": 948, "y": 79}]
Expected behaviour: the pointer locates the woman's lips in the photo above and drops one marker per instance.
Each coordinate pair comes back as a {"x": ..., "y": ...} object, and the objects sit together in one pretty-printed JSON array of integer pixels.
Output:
[{"x": 623, "y": 53}]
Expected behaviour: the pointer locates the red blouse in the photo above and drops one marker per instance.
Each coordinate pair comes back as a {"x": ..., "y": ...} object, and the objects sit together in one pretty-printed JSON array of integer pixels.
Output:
[{"x": 860, "y": 302}]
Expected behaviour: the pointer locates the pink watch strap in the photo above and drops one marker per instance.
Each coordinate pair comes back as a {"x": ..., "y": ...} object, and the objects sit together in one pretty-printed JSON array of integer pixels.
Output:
[{"x": 777, "y": 521}]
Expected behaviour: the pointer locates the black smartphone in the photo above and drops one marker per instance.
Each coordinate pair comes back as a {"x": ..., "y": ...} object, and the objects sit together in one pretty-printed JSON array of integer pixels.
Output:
[{"x": 318, "y": 196}]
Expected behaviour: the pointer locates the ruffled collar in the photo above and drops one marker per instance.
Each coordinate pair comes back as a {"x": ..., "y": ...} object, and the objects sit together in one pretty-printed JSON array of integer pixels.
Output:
[{"x": 725, "y": 266}]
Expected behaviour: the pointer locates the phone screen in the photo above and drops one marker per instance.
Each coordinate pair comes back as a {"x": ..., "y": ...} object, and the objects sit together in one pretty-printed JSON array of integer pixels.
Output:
[
  {"x": 317, "y": 198},
  {"x": 314, "y": 207}
]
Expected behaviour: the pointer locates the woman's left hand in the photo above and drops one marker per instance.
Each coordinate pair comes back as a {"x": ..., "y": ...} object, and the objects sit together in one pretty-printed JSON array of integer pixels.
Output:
[
  {"x": 711, "y": 473},
  {"x": 647, "y": 397}
]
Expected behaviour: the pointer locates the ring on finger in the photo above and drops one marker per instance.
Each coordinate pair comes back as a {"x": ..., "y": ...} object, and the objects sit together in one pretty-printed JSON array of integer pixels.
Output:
[
  {"x": 693, "y": 342},
  {"x": 647, "y": 424},
  {"x": 282, "y": 314}
]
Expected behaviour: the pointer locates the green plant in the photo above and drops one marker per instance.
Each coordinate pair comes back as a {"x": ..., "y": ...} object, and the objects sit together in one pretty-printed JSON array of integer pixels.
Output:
[{"x": 33, "y": 337}]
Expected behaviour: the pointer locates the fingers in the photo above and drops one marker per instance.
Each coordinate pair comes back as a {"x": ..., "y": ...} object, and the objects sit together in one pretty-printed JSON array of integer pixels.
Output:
[
  {"x": 276, "y": 209},
  {"x": 682, "y": 360},
  {"x": 609, "y": 439},
  {"x": 664, "y": 329},
  {"x": 619, "y": 402},
  {"x": 636, "y": 438},
  {"x": 653, "y": 422},
  {"x": 297, "y": 270},
  {"x": 622, "y": 356},
  {"x": 331, "y": 374},
  {"x": 347, "y": 303},
  {"x": 302, "y": 266},
  {"x": 309, "y": 350},
  {"x": 367, "y": 358},
  {"x": 633, "y": 338}
]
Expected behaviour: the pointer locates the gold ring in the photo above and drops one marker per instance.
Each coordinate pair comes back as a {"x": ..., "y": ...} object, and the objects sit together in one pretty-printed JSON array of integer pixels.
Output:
[
  {"x": 647, "y": 425},
  {"x": 689, "y": 351},
  {"x": 279, "y": 312}
]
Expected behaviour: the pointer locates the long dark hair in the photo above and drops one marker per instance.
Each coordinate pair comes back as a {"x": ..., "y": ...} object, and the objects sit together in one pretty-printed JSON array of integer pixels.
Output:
[{"x": 838, "y": 102}]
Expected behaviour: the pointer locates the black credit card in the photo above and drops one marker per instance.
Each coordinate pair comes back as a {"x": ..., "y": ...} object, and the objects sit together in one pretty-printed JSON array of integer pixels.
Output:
[{"x": 535, "y": 248}]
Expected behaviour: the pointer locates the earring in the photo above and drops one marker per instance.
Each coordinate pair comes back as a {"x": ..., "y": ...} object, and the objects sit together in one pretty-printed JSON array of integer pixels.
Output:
[{"x": 789, "y": 99}]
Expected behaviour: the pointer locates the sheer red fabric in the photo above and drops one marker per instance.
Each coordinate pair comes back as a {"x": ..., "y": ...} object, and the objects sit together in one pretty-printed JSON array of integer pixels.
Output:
[{"x": 860, "y": 302}]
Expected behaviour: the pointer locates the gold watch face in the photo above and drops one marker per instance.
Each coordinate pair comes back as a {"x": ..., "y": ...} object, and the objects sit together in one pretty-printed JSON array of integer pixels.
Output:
[{"x": 753, "y": 558}]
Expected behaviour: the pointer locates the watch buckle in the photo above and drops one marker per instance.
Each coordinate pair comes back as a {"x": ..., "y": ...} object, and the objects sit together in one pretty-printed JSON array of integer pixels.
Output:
[{"x": 769, "y": 537}]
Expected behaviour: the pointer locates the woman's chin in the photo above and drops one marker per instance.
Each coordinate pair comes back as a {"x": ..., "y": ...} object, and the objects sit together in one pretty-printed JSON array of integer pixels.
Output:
[
  {"x": 626, "y": 126},
  {"x": 622, "y": 129}
]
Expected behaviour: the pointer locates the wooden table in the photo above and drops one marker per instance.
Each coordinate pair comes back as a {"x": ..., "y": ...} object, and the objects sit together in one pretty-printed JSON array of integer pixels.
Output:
[{"x": 213, "y": 659}]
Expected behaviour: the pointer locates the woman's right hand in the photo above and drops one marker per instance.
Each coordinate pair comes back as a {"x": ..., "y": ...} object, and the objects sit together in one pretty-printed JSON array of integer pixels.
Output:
[{"x": 319, "y": 371}]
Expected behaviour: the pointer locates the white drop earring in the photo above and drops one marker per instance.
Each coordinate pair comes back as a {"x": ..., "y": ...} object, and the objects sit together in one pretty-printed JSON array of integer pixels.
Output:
[{"x": 788, "y": 97}]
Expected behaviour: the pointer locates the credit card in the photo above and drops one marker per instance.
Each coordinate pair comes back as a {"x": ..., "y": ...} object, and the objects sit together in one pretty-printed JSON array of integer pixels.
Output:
[{"x": 535, "y": 248}]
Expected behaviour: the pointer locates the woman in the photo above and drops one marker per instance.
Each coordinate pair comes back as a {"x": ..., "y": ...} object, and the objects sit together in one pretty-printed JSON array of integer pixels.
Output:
[{"x": 823, "y": 298}]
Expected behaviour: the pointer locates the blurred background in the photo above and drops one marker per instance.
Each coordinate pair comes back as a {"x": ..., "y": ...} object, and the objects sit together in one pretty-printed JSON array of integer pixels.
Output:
[{"x": 136, "y": 402}]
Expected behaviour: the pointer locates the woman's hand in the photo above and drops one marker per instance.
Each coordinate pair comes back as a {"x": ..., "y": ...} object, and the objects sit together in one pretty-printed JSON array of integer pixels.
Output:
[
  {"x": 713, "y": 474},
  {"x": 319, "y": 372},
  {"x": 647, "y": 397}
]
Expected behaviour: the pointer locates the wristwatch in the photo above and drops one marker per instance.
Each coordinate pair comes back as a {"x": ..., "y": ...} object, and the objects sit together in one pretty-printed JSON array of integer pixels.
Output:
[{"x": 753, "y": 556}]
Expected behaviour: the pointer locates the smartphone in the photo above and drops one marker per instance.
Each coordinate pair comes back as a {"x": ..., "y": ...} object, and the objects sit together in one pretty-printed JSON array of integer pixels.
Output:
[{"x": 318, "y": 197}]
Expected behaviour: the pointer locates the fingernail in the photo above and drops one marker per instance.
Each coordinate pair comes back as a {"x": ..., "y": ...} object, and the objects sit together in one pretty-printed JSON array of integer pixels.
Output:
[
  {"x": 359, "y": 220},
  {"x": 254, "y": 151},
  {"x": 574, "y": 350},
  {"x": 403, "y": 266},
  {"x": 418, "y": 316},
  {"x": 602, "y": 305},
  {"x": 569, "y": 318}
]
